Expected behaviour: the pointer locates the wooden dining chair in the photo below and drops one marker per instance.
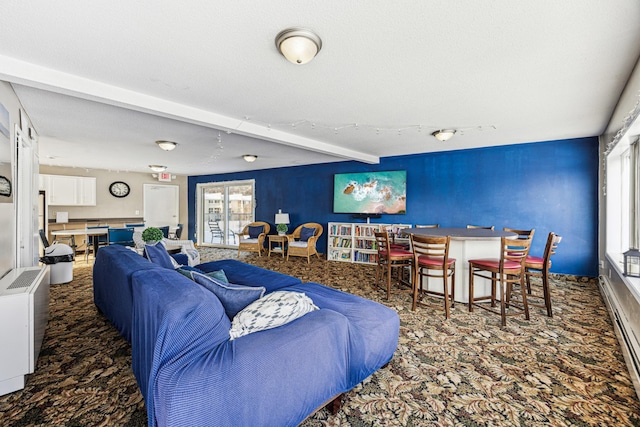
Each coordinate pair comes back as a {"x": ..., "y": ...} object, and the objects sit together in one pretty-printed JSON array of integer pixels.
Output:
[
  {"x": 389, "y": 260},
  {"x": 522, "y": 234},
  {"x": 539, "y": 267},
  {"x": 431, "y": 259},
  {"x": 481, "y": 226},
  {"x": 504, "y": 273},
  {"x": 428, "y": 226}
]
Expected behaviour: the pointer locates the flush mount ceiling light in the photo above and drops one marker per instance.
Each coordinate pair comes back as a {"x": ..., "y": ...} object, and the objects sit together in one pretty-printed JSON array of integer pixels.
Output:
[
  {"x": 444, "y": 134},
  {"x": 157, "y": 168},
  {"x": 250, "y": 158},
  {"x": 167, "y": 145},
  {"x": 298, "y": 45}
]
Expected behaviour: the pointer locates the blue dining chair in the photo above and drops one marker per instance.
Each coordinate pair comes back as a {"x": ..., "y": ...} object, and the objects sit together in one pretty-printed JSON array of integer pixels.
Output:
[
  {"x": 121, "y": 236},
  {"x": 165, "y": 231}
]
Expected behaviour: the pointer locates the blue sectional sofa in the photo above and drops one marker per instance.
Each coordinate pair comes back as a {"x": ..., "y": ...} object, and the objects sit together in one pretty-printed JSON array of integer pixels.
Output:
[{"x": 192, "y": 374}]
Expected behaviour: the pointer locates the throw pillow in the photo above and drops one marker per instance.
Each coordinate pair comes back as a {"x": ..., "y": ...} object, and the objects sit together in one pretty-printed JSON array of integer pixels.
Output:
[
  {"x": 158, "y": 254},
  {"x": 276, "y": 309},
  {"x": 233, "y": 297},
  {"x": 218, "y": 274},
  {"x": 307, "y": 232},
  {"x": 187, "y": 270},
  {"x": 255, "y": 231}
]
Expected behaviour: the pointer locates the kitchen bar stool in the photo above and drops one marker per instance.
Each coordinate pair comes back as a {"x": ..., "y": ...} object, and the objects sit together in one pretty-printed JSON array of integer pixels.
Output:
[
  {"x": 539, "y": 267},
  {"x": 505, "y": 271},
  {"x": 431, "y": 259},
  {"x": 390, "y": 259}
]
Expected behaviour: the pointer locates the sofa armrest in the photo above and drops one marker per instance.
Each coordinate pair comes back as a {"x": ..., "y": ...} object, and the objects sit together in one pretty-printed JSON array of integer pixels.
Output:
[{"x": 275, "y": 377}]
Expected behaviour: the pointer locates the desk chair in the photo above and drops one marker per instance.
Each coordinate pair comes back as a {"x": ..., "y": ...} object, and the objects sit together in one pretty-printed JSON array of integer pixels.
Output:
[
  {"x": 121, "y": 236},
  {"x": 390, "y": 259},
  {"x": 431, "y": 259},
  {"x": 176, "y": 234},
  {"x": 505, "y": 271},
  {"x": 165, "y": 231}
]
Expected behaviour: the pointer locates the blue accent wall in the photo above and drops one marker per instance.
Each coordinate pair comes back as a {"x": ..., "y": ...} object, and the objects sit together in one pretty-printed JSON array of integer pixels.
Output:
[{"x": 549, "y": 186}]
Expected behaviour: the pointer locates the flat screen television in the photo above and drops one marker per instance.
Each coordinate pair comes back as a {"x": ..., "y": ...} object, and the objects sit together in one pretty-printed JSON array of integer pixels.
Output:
[{"x": 371, "y": 193}]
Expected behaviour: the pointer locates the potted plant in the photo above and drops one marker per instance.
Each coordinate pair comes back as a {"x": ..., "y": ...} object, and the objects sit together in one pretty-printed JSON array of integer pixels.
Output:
[
  {"x": 152, "y": 235},
  {"x": 282, "y": 229}
]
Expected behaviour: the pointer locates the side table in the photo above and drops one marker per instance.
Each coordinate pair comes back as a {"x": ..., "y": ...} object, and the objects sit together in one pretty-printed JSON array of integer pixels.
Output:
[{"x": 280, "y": 241}]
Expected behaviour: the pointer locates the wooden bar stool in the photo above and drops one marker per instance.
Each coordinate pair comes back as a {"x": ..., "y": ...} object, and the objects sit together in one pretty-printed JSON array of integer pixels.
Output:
[
  {"x": 539, "y": 267},
  {"x": 431, "y": 259},
  {"x": 505, "y": 271},
  {"x": 390, "y": 259}
]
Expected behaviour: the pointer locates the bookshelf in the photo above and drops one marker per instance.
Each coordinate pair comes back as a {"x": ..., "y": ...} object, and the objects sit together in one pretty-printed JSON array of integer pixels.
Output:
[{"x": 356, "y": 242}]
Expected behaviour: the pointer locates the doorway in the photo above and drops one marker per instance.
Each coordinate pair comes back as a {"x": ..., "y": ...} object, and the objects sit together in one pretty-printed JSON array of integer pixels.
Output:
[
  {"x": 161, "y": 205},
  {"x": 224, "y": 208}
]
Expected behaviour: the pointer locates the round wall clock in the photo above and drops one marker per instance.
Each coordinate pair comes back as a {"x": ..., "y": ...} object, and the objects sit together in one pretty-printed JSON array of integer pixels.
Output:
[{"x": 119, "y": 189}]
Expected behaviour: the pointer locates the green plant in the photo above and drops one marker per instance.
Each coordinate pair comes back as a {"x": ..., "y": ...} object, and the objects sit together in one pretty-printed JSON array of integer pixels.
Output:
[
  {"x": 152, "y": 234},
  {"x": 282, "y": 228}
]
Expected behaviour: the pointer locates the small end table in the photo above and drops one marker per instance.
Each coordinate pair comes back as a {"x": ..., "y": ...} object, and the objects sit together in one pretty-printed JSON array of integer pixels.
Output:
[{"x": 280, "y": 241}]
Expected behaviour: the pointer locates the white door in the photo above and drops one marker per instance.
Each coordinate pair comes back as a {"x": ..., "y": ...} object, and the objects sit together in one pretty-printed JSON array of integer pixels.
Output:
[{"x": 161, "y": 205}]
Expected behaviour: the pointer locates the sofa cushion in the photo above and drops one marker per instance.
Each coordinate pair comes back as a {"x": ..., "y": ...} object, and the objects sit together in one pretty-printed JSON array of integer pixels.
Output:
[
  {"x": 233, "y": 297},
  {"x": 219, "y": 275},
  {"x": 306, "y": 233},
  {"x": 158, "y": 254},
  {"x": 274, "y": 310},
  {"x": 255, "y": 231},
  {"x": 186, "y": 270}
]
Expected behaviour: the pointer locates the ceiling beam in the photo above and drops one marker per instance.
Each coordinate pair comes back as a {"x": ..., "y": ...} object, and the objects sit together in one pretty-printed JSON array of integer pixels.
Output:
[{"x": 32, "y": 75}]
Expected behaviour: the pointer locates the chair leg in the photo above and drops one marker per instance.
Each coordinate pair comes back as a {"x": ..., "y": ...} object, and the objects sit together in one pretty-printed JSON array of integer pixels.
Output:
[
  {"x": 445, "y": 289},
  {"x": 453, "y": 286},
  {"x": 471, "y": 288},
  {"x": 388, "y": 281},
  {"x": 547, "y": 292},
  {"x": 503, "y": 308},
  {"x": 494, "y": 281},
  {"x": 415, "y": 284},
  {"x": 525, "y": 303}
]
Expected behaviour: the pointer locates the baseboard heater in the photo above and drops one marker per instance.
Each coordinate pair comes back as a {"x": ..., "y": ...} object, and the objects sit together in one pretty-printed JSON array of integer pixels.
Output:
[
  {"x": 627, "y": 338},
  {"x": 24, "y": 313}
]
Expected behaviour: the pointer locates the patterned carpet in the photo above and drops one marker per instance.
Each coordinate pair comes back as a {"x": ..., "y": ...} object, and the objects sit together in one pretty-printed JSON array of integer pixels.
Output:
[{"x": 467, "y": 371}]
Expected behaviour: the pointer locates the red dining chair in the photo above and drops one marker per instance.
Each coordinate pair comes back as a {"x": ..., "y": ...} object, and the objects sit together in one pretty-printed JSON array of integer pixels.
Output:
[
  {"x": 431, "y": 259},
  {"x": 390, "y": 259},
  {"x": 539, "y": 267},
  {"x": 505, "y": 271}
]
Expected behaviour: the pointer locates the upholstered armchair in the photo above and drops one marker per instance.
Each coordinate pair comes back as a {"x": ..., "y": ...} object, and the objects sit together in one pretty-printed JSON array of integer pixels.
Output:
[
  {"x": 302, "y": 242},
  {"x": 252, "y": 237}
]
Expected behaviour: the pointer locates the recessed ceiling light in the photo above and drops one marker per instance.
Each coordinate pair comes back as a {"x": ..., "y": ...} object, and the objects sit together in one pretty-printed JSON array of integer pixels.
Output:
[{"x": 250, "y": 158}]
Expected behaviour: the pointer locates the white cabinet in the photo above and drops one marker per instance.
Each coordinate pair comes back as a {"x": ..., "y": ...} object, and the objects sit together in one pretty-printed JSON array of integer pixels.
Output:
[
  {"x": 356, "y": 242},
  {"x": 64, "y": 190}
]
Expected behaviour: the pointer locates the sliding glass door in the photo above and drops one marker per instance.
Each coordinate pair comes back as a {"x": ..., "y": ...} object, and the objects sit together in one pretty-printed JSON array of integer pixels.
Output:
[{"x": 224, "y": 208}]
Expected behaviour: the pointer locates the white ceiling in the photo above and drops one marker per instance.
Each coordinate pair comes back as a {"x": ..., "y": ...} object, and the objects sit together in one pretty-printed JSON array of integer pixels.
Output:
[{"x": 102, "y": 80}]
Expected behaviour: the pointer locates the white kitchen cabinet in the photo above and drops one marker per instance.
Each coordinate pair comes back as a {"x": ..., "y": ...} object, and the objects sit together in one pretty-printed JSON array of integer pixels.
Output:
[{"x": 62, "y": 190}]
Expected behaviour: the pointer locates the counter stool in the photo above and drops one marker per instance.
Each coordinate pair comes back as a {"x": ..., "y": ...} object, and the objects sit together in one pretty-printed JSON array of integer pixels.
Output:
[
  {"x": 539, "y": 267},
  {"x": 431, "y": 259},
  {"x": 390, "y": 259},
  {"x": 505, "y": 271}
]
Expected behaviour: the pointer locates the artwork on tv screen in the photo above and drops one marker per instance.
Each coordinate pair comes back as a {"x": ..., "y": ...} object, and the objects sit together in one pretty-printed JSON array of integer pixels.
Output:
[{"x": 370, "y": 192}]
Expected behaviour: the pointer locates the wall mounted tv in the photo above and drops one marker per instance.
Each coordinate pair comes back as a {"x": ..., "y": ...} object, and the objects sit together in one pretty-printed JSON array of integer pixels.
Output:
[{"x": 370, "y": 193}]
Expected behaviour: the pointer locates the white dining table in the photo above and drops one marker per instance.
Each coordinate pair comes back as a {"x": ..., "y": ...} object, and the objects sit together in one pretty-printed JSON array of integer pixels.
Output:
[{"x": 466, "y": 244}]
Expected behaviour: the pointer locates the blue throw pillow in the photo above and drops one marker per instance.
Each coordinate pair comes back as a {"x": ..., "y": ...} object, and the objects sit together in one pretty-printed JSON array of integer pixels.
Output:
[
  {"x": 158, "y": 254},
  {"x": 307, "y": 232},
  {"x": 255, "y": 231},
  {"x": 233, "y": 297}
]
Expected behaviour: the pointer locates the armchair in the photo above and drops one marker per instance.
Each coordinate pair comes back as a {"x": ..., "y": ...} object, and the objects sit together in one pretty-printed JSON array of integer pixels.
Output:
[
  {"x": 250, "y": 242},
  {"x": 301, "y": 244}
]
